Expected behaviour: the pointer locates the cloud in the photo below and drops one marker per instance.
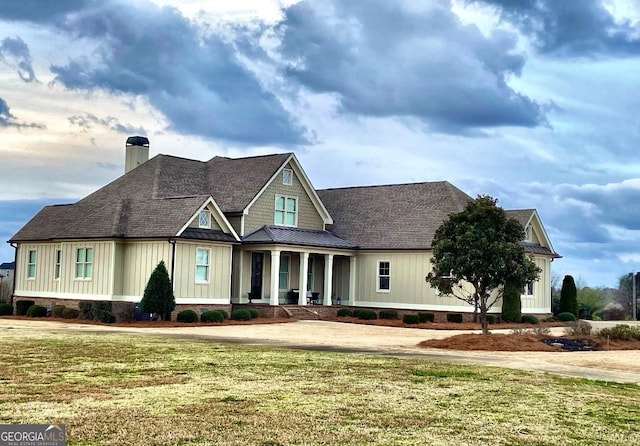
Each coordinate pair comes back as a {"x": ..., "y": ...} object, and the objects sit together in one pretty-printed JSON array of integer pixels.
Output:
[
  {"x": 582, "y": 28},
  {"x": 88, "y": 121},
  {"x": 406, "y": 59},
  {"x": 14, "y": 51},
  {"x": 190, "y": 74},
  {"x": 9, "y": 120}
]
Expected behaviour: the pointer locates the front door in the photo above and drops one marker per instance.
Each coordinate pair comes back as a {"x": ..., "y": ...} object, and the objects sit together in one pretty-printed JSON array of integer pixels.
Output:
[{"x": 257, "y": 259}]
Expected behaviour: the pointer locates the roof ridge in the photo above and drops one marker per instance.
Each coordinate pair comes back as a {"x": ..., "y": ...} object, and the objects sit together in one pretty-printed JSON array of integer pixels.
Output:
[
  {"x": 250, "y": 157},
  {"x": 386, "y": 185}
]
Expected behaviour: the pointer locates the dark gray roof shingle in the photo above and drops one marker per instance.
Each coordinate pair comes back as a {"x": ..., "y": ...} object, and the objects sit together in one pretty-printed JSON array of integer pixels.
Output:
[{"x": 296, "y": 236}]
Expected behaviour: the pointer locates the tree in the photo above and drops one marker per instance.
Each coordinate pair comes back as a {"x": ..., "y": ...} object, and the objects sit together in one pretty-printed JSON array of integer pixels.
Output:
[
  {"x": 511, "y": 303},
  {"x": 591, "y": 301},
  {"x": 568, "y": 296},
  {"x": 158, "y": 294},
  {"x": 476, "y": 252}
]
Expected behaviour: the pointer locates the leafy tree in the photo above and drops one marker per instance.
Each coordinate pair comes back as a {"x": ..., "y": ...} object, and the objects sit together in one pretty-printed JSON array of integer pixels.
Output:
[
  {"x": 476, "y": 252},
  {"x": 158, "y": 294},
  {"x": 591, "y": 301},
  {"x": 511, "y": 303},
  {"x": 623, "y": 296},
  {"x": 569, "y": 296}
]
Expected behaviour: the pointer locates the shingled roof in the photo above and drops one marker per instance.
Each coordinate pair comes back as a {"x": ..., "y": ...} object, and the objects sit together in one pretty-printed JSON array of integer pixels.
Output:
[
  {"x": 399, "y": 216},
  {"x": 296, "y": 236}
]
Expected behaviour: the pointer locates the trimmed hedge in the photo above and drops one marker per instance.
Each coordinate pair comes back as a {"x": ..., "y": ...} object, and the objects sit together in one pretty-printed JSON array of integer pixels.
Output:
[
  {"x": 241, "y": 315},
  {"x": 212, "y": 316},
  {"x": 426, "y": 317},
  {"x": 187, "y": 316},
  {"x": 102, "y": 312},
  {"x": 529, "y": 319},
  {"x": 345, "y": 312},
  {"x": 365, "y": 314},
  {"x": 388, "y": 314},
  {"x": 566, "y": 317},
  {"x": 70, "y": 313},
  {"x": 37, "y": 311},
  {"x": 455, "y": 318},
  {"x": 22, "y": 306},
  {"x": 86, "y": 310},
  {"x": 57, "y": 310},
  {"x": 6, "y": 310},
  {"x": 411, "y": 319},
  {"x": 254, "y": 313}
]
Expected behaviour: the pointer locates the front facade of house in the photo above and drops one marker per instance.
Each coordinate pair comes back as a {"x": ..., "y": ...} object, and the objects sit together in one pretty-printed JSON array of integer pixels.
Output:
[{"x": 250, "y": 230}]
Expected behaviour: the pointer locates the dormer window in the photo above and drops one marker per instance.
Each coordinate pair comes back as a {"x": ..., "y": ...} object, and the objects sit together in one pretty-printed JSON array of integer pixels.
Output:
[
  {"x": 204, "y": 220},
  {"x": 286, "y": 211},
  {"x": 287, "y": 177},
  {"x": 528, "y": 237}
]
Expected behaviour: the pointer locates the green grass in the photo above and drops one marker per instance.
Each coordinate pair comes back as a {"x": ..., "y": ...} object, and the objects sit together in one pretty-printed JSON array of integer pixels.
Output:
[{"x": 125, "y": 389}]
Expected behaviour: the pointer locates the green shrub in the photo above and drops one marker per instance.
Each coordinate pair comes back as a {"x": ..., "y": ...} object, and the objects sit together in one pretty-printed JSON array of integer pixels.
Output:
[
  {"x": 426, "y": 317},
  {"x": 6, "y": 310},
  {"x": 37, "y": 311},
  {"x": 212, "y": 316},
  {"x": 254, "y": 313},
  {"x": 511, "y": 303},
  {"x": 70, "y": 313},
  {"x": 57, "y": 310},
  {"x": 388, "y": 314},
  {"x": 241, "y": 315},
  {"x": 529, "y": 319},
  {"x": 578, "y": 328},
  {"x": 102, "y": 312},
  {"x": 224, "y": 314},
  {"x": 158, "y": 294},
  {"x": 566, "y": 317},
  {"x": 411, "y": 319},
  {"x": 86, "y": 310},
  {"x": 187, "y": 316},
  {"x": 568, "y": 296},
  {"x": 491, "y": 319},
  {"x": 22, "y": 306},
  {"x": 366, "y": 314},
  {"x": 550, "y": 319},
  {"x": 455, "y": 318},
  {"x": 623, "y": 332},
  {"x": 345, "y": 312}
]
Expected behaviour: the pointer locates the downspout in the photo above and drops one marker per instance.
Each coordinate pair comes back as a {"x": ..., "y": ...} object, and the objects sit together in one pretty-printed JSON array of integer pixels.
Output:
[
  {"x": 173, "y": 263},
  {"x": 15, "y": 269}
]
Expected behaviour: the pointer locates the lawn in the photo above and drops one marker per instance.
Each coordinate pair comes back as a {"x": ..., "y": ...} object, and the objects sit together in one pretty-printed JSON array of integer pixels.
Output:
[{"x": 125, "y": 389}]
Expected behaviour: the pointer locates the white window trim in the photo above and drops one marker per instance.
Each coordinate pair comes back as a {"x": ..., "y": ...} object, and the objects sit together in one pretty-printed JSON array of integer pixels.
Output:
[
  {"x": 525, "y": 290},
  {"x": 84, "y": 277},
  {"x": 208, "y": 265},
  {"x": 29, "y": 264},
  {"x": 288, "y": 257},
  {"x": 284, "y": 180},
  {"x": 208, "y": 214},
  {"x": 57, "y": 267},
  {"x": 295, "y": 216},
  {"x": 378, "y": 276}
]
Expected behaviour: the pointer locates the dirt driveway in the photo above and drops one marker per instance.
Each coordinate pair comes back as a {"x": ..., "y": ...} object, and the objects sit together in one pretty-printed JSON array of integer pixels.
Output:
[{"x": 616, "y": 366}]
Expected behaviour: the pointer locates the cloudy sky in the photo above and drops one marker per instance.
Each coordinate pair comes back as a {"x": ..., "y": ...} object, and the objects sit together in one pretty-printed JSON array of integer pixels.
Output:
[{"x": 534, "y": 102}]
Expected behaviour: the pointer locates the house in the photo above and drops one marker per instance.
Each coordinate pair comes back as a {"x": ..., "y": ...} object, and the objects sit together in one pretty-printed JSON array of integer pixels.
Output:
[
  {"x": 6, "y": 280},
  {"x": 249, "y": 231}
]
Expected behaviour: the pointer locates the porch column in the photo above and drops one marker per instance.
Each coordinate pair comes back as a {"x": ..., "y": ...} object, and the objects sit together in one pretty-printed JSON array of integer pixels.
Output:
[
  {"x": 304, "y": 269},
  {"x": 352, "y": 281},
  {"x": 275, "y": 277},
  {"x": 328, "y": 278}
]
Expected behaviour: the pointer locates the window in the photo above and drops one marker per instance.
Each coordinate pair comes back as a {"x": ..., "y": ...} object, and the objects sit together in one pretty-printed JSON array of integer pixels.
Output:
[
  {"x": 56, "y": 271},
  {"x": 286, "y": 210},
  {"x": 204, "y": 220},
  {"x": 31, "y": 264},
  {"x": 284, "y": 273},
  {"x": 202, "y": 264},
  {"x": 528, "y": 289},
  {"x": 287, "y": 177},
  {"x": 84, "y": 263},
  {"x": 528, "y": 234},
  {"x": 384, "y": 275}
]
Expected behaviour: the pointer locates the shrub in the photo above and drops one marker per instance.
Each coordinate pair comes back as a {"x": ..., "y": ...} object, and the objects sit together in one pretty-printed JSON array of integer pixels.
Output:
[
  {"x": 212, "y": 316},
  {"x": 529, "y": 319},
  {"x": 6, "y": 310},
  {"x": 511, "y": 303},
  {"x": 455, "y": 318},
  {"x": 187, "y": 316},
  {"x": 541, "y": 331},
  {"x": 254, "y": 313},
  {"x": 621, "y": 331},
  {"x": 86, "y": 310},
  {"x": 22, "y": 306},
  {"x": 366, "y": 314},
  {"x": 426, "y": 317},
  {"x": 566, "y": 317},
  {"x": 388, "y": 314},
  {"x": 577, "y": 328},
  {"x": 568, "y": 296},
  {"x": 70, "y": 313},
  {"x": 158, "y": 294},
  {"x": 102, "y": 312},
  {"x": 550, "y": 319},
  {"x": 491, "y": 319},
  {"x": 37, "y": 311},
  {"x": 345, "y": 312},
  {"x": 241, "y": 315},
  {"x": 410, "y": 319},
  {"x": 57, "y": 310}
]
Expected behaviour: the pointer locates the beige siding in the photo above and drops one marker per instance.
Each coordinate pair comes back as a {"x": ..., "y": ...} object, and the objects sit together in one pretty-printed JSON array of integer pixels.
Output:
[
  {"x": 262, "y": 211},
  {"x": 139, "y": 260},
  {"x": 45, "y": 261},
  {"x": 236, "y": 223},
  {"x": 195, "y": 223},
  {"x": 541, "y": 300},
  {"x": 219, "y": 284},
  {"x": 341, "y": 277}
]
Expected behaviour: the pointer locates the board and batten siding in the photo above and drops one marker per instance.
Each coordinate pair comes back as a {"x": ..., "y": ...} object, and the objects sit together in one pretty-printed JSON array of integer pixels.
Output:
[
  {"x": 262, "y": 211},
  {"x": 137, "y": 260},
  {"x": 540, "y": 302},
  {"x": 219, "y": 284}
]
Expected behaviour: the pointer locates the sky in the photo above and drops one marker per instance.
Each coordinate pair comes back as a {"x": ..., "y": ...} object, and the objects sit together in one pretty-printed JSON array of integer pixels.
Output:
[{"x": 533, "y": 102}]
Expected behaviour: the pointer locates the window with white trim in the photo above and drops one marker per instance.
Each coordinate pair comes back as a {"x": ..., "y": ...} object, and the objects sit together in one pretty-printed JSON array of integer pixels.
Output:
[
  {"x": 286, "y": 211},
  {"x": 283, "y": 279},
  {"x": 202, "y": 264},
  {"x": 528, "y": 289},
  {"x": 204, "y": 219},
  {"x": 384, "y": 275},
  {"x": 31, "y": 264},
  {"x": 287, "y": 177},
  {"x": 528, "y": 234},
  {"x": 56, "y": 270},
  {"x": 84, "y": 263}
]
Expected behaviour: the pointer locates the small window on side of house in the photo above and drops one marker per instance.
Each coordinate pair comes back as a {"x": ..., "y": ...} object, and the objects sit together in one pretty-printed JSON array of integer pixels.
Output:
[
  {"x": 287, "y": 177},
  {"x": 204, "y": 219},
  {"x": 56, "y": 271},
  {"x": 84, "y": 263},
  {"x": 31, "y": 264},
  {"x": 384, "y": 276},
  {"x": 202, "y": 265},
  {"x": 528, "y": 289}
]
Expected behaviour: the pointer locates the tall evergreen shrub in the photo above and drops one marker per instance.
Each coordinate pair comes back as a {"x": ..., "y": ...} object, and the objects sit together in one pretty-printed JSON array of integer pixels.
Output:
[
  {"x": 158, "y": 295},
  {"x": 568, "y": 296},
  {"x": 511, "y": 303}
]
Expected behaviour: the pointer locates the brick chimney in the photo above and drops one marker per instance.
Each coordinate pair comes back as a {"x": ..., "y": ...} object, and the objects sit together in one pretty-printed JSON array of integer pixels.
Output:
[{"x": 137, "y": 152}]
